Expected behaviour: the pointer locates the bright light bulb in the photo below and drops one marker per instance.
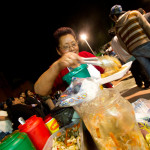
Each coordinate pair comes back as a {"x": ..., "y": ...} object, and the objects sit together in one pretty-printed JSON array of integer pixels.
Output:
[{"x": 83, "y": 36}]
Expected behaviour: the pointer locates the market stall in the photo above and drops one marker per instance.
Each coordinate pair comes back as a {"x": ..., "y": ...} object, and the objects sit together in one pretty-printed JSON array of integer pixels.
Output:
[{"x": 106, "y": 119}]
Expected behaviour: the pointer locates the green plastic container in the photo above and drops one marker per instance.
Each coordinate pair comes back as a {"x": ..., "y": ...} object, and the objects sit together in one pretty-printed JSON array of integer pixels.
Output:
[
  {"x": 80, "y": 72},
  {"x": 17, "y": 141}
]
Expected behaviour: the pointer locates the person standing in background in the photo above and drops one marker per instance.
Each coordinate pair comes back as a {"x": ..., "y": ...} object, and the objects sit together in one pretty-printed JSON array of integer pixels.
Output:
[
  {"x": 5, "y": 124},
  {"x": 133, "y": 32},
  {"x": 123, "y": 55}
]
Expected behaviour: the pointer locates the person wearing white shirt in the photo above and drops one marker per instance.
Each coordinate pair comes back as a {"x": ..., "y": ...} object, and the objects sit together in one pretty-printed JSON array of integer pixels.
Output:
[
  {"x": 5, "y": 124},
  {"x": 121, "y": 53}
]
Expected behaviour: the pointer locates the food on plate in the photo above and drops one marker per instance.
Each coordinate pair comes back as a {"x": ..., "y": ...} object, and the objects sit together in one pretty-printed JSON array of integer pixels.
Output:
[
  {"x": 68, "y": 140},
  {"x": 110, "y": 64},
  {"x": 106, "y": 74}
]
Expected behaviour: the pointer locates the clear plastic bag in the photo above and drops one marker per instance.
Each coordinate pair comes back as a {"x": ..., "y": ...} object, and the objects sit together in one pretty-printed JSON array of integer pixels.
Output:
[
  {"x": 80, "y": 89},
  {"x": 142, "y": 110},
  {"x": 110, "y": 119}
]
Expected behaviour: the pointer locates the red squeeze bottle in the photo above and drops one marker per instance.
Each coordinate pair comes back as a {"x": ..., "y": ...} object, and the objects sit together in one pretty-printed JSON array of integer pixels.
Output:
[{"x": 36, "y": 130}]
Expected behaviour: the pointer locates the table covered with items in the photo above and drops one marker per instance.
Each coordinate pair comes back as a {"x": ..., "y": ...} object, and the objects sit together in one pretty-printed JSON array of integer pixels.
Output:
[{"x": 104, "y": 120}]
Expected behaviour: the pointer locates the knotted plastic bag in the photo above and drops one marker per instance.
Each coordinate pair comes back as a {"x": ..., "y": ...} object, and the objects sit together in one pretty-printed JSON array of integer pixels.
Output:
[{"x": 80, "y": 89}]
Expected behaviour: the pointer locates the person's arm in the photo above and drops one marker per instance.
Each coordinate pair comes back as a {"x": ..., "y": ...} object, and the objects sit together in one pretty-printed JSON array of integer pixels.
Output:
[
  {"x": 43, "y": 86},
  {"x": 50, "y": 104},
  {"x": 144, "y": 23},
  {"x": 45, "y": 82}
]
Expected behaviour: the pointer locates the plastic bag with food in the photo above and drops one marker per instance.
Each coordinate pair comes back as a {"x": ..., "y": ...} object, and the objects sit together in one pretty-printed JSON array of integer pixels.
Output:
[
  {"x": 110, "y": 119},
  {"x": 69, "y": 137},
  {"x": 79, "y": 90}
]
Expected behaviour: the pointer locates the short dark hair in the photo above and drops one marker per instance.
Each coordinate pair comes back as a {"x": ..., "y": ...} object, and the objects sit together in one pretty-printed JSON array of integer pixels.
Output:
[
  {"x": 9, "y": 101},
  {"x": 117, "y": 15},
  {"x": 61, "y": 32}
]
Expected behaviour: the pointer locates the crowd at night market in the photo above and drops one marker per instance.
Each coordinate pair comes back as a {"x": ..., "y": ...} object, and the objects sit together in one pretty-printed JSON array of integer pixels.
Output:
[{"x": 74, "y": 104}]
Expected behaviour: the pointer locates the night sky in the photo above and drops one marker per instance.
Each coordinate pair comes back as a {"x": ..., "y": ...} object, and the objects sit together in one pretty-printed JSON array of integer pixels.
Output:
[{"x": 27, "y": 31}]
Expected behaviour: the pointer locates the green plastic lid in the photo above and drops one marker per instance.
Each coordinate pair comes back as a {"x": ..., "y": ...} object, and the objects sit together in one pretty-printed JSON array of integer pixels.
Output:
[
  {"x": 13, "y": 141},
  {"x": 9, "y": 139},
  {"x": 80, "y": 72}
]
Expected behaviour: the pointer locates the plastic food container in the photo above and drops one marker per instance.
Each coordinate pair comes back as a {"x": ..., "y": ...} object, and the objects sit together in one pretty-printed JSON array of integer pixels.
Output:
[
  {"x": 64, "y": 132},
  {"x": 80, "y": 72},
  {"x": 111, "y": 121},
  {"x": 36, "y": 130},
  {"x": 17, "y": 141},
  {"x": 51, "y": 124}
]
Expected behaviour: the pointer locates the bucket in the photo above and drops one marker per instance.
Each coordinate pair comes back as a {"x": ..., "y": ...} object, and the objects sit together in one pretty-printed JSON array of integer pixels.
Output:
[
  {"x": 51, "y": 124},
  {"x": 17, "y": 141},
  {"x": 80, "y": 72},
  {"x": 36, "y": 130}
]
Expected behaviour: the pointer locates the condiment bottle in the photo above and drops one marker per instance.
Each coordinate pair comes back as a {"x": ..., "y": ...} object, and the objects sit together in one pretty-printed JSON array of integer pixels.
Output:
[{"x": 51, "y": 124}]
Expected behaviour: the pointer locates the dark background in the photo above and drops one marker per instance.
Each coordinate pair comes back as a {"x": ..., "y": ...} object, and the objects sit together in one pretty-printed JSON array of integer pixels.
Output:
[{"x": 27, "y": 32}]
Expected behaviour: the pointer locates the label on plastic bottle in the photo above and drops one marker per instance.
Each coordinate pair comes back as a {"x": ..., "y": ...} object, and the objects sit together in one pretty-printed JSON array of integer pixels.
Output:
[{"x": 52, "y": 125}]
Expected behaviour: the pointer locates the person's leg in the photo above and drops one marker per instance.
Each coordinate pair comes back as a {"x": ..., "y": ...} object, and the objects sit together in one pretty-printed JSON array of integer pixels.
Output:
[
  {"x": 145, "y": 62},
  {"x": 142, "y": 51},
  {"x": 144, "y": 77},
  {"x": 142, "y": 54},
  {"x": 136, "y": 73}
]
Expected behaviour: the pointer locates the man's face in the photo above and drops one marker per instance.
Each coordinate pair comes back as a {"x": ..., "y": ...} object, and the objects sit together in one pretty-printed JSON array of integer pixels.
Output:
[
  {"x": 16, "y": 101},
  {"x": 30, "y": 93},
  {"x": 67, "y": 43}
]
